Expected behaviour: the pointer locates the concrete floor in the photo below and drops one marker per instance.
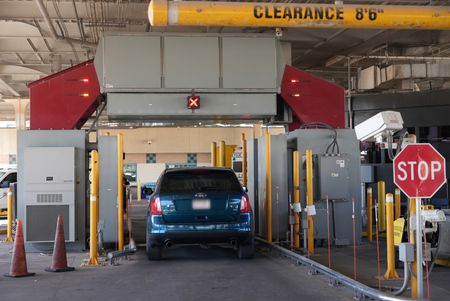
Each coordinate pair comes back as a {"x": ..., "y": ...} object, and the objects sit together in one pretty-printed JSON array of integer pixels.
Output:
[
  {"x": 186, "y": 273},
  {"x": 367, "y": 271}
]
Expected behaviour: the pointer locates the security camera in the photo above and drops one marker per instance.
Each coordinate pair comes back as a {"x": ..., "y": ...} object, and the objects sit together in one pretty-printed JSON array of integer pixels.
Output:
[
  {"x": 149, "y": 141},
  {"x": 278, "y": 32},
  {"x": 379, "y": 126}
]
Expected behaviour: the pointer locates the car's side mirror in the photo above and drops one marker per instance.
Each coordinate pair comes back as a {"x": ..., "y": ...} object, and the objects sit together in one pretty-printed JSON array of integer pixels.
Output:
[{"x": 245, "y": 188}]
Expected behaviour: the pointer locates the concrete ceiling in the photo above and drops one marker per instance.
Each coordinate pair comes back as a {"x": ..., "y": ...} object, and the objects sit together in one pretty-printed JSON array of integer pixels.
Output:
[{"x": 30, "y": 48}]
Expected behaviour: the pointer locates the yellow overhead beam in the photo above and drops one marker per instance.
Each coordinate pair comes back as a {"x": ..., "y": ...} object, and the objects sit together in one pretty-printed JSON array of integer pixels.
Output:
[{"x": 260, "y": 14}]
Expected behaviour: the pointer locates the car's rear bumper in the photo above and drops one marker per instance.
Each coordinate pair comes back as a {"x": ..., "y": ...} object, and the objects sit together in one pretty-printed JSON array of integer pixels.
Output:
[{"x": 158, "y": 231}]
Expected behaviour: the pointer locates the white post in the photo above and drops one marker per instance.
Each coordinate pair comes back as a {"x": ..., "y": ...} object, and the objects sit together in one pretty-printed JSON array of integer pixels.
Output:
[{"x": 419, "y": 254}]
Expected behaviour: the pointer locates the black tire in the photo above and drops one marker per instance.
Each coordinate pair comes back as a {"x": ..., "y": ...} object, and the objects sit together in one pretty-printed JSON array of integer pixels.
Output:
[
  {"x": 246, "y": 250},
  {"x": 154, "y": 250}
]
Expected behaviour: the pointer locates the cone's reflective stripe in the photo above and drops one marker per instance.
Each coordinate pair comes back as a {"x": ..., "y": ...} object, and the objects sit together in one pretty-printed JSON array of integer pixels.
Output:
[{"x": 255, "y": 14}]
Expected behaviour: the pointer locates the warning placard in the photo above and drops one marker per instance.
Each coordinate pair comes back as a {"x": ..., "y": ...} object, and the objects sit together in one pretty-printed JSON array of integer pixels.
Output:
[{"x": 399, "y": 226}]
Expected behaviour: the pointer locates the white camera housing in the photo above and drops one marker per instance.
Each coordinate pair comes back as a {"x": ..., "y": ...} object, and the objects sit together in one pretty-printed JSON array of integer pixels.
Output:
[
  {"x": 278, "y": 32},
  {"x": 382, "y": 124}
]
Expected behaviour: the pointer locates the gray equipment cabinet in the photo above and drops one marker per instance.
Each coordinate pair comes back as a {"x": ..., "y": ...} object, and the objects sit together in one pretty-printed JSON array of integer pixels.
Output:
[
  {"x": 279, "y": 176},
  {"x": 236, "y": 76},
  {"x": 336, "y": 176},
  {"x": 52, "y": 180},
  {"x": 107, "y": 148}
]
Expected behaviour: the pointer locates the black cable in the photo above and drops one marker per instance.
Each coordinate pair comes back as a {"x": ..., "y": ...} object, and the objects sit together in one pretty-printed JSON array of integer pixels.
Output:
[{"x": 334, "y": 144}]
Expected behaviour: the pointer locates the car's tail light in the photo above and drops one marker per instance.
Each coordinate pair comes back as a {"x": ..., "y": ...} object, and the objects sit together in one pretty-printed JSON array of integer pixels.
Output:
[
  {"x": 155, "y": 206},
  {"x": 245, "y": 205}
]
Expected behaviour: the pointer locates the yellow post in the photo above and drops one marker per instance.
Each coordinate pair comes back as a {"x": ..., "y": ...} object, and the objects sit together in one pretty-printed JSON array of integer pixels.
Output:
[
  {"x": 381, "y": 206},
  {"x": 398, "y": 206},
  {"x": 9, "y": 236},
  {"x": 120, "y": 200},
  {"x": 222, "y": 155},
  {"x": 93, "y": 209},
  {"x": 312, "y": 15},
  {"x": 244, "y": 160},
  {"x": 369, "y": 214},
  {"x": 139, "y": 190},
  {"x": 391, "y": 273},
  {"x": 229, "y": 151},
  {"x": 309, "y": 199},
  {"x": 296, "y": 188},
  {"x": 213, "y": 154},
  {"x": 412, "y": 239},
  {"x": 268, "y": 189}
]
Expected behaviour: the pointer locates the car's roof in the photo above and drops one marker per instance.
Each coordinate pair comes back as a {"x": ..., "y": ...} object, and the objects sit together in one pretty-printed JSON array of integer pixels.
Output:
[{"x": 198, "y": 168}]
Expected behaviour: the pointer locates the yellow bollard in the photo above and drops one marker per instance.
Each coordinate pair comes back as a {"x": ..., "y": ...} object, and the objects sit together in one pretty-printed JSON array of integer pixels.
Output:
[
  {"x": 268, "y": 190},
  {"x": 244, "y": 160},
  {"x": 398, "y": 203},
  {"x": 391, "y": 273},
  {"x": 139, "y": 193},
  {"x": 296, "y": 188},
  {"x": 369, "y": 214},
  {"x": 413, "y": 281},
  {"x": 120, "y": 200},
  {"x": 213, "y": 154},
  {"x": 309, "y": 200},
  {"x": 93, "y": 209},
  {"x": 381, "y": 206},
  {"x": 222, "y": 154},
  {"x": 9, "y": 236}
]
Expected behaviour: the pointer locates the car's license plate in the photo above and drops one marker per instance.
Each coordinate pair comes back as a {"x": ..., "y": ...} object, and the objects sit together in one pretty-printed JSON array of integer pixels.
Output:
[{"x": 201, "y": 204}]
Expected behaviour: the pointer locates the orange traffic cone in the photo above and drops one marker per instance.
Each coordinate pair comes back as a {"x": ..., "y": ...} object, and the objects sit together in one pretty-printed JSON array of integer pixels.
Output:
[
  {"x": 19, "y": 260},
  {"x": 59, "y": 262}
]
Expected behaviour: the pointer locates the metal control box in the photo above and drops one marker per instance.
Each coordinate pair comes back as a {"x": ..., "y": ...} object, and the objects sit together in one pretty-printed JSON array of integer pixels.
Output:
[
  {"x": 333, "y": 176},
  {"x": 49, "y": 176},
  {"x": 406, "y": 252}
]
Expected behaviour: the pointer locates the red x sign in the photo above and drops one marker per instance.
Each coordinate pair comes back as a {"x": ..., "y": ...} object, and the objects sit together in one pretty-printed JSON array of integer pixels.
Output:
[{"x": 193, "y": 102}]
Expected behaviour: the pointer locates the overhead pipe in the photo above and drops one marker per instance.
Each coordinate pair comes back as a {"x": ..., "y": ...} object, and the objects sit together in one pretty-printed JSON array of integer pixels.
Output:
[
  {"x": 401, "y": 57},
  {"x": 312, "y": 15},
  {"x": 52, "y": 29}
]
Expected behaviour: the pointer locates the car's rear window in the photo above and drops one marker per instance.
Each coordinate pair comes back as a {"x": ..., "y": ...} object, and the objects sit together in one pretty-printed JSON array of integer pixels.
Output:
[{"x": 192, "y": 181}]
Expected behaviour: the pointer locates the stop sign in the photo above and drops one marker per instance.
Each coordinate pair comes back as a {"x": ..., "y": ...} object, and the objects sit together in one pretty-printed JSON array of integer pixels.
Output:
[{"x": 419, "y": 170}]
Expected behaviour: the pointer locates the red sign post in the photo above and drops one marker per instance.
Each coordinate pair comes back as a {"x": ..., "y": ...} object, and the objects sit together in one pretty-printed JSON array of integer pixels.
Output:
[{"x": 419, "y": 170}]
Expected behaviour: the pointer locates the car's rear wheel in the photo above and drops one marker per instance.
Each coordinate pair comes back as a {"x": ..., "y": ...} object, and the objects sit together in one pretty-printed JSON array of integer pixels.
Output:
[
  {"x": 154, "y": 250},
  {"x": 246, "y": 249}
]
